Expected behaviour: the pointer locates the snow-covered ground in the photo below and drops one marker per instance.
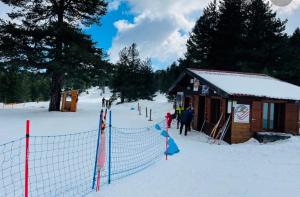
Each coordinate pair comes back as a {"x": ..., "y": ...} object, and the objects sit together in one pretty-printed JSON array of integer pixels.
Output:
[
  {"x": 200, "y": 169},
  {"x": 12, "y": 118}
]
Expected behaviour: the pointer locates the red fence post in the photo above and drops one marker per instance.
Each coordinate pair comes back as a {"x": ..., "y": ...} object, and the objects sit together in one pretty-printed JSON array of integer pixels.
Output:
[{"x": 27, "y": 158}]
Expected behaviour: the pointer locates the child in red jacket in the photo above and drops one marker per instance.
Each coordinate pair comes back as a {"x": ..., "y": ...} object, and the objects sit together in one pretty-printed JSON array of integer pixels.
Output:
[{"x": 169, "y": 119}]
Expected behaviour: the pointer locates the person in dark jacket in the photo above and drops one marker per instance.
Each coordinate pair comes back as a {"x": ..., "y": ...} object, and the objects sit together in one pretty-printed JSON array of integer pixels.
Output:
[
  {"x": 185, "y": 120},
  {"x": 107, "y": 103},
  {"x": 103, "y": 102},
  {"x": 110, "y": 103},
  {"x": 190, "y": 118}
]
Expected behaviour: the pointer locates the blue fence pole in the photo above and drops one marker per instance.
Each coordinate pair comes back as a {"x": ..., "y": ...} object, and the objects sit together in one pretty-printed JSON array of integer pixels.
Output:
[
  {"x": 109, "y": 149},
  {"x": 98, "y": 142}
]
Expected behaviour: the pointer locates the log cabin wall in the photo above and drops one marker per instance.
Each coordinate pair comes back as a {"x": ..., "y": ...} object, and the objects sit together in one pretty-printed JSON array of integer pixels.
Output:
[
  {"x": 241, "y": 132},
  {"x": 292, "y": 118},
  {"x": 207, "y": 108},
  {"x": 196, "y": 121},
  {"x": 256, "y": 116},
  {"x": 223, "y": 110}
]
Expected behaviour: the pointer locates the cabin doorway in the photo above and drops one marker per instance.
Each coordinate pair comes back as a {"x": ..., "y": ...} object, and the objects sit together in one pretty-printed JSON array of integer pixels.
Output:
[
  {"x": 187, "y": 102},
  {"x": 215, "y": 110},
  {"x": 201, "y": 111},
  {"x": 274, "y": 116}
]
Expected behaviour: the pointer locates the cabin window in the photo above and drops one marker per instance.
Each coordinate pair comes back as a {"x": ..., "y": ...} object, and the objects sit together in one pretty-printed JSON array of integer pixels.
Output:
[
  {"x": 265, "y": 115},
  {"x": 271, "y": 115},
  {"x": 69, "y": 98}
]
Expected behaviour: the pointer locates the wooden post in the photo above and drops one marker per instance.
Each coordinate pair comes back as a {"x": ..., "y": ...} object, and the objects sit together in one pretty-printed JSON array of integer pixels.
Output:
[
  {"x": 150, "y": 115},
  {"x": 63, "y": 101},
  {"x": 27, "y": 158}
]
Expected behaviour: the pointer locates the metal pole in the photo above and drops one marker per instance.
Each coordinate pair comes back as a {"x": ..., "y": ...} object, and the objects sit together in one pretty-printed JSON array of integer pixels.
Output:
[
  {"x": 109, "y": 149},
  {"x": 97, "y": 149},
  {"x": 27, "y": 158}
]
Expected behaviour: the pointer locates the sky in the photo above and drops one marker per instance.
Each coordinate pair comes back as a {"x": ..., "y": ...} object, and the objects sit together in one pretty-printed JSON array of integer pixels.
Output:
[{"x": 160, "y": 28}]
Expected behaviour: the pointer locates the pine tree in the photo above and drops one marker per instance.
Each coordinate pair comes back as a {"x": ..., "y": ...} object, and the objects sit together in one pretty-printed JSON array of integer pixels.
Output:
[
  {"x": 290, "y": 68},
  {"x": 47, "y": 36},
  {"x": 17, "y": 86},
  {"x": 146, "y": 85},
  {"x": 227, "y": 41},
  {"x": 200, "y": 41},
  {"x": 264, "y": 38},
  {"x": 133, "y": 77},
  {"x": 165, "y": 78}
]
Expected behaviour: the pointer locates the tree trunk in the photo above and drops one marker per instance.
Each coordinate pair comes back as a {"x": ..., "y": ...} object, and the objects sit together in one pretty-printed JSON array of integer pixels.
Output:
[
  {"x": 122, "y": 97},
  {"x": 57, "y": 77},
  {"x": 55, "y": 94}
]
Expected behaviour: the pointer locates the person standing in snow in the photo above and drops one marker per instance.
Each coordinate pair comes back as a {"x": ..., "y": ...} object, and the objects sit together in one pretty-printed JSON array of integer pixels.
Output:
[
  {"x": 185, "y": 120},
  {"x": 107, "y": 103},
  {"x": 169, "y": 119},
  {"x": 110, "y": 103},
  {"x": 178, "y": 113},
  {"x": 190, "y": 117},
  {"x": 103, "y": 102}
]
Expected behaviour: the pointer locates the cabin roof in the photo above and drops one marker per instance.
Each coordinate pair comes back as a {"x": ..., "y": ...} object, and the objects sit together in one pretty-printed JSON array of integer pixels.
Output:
[{"x": 248, "y": 84}]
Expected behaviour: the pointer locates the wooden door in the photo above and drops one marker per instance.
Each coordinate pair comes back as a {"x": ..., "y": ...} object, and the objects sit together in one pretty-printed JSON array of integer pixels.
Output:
[
  {"x": 256, "y": 116},
  {"x": 291, "y": 118},
  {"x": 223, "y": 111},
  {"x": 207, "y": 108}
]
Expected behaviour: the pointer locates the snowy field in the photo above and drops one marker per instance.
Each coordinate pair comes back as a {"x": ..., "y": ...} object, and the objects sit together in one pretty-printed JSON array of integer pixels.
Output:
[{"x": 200, "y": 169}]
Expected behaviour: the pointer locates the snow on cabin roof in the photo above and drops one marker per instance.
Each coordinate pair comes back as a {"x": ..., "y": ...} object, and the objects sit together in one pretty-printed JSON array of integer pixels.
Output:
[{"x": 248, "y": 84}]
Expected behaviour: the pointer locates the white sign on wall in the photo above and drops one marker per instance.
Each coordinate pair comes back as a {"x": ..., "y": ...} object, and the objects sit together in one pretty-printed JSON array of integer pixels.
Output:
[
  {"x": 242, "y": 113},
  {"x": 196, "y": 85},
  {"x": 205, "y": 90},
  {"x": 229, "y": 107}
]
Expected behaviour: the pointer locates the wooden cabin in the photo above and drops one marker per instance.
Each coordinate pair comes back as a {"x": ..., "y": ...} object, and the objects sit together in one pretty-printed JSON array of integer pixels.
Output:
[
  {"x": 69, "y": 101},
  {"x": 252, "y": 102}
]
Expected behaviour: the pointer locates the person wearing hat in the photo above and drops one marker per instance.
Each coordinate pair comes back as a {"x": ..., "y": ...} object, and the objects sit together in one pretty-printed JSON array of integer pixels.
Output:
[{"x": 178, "y": 113}]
